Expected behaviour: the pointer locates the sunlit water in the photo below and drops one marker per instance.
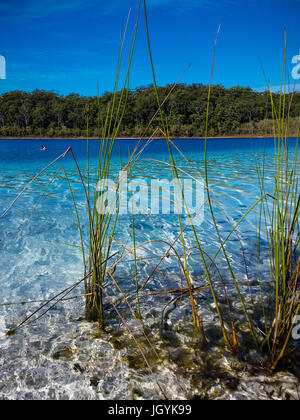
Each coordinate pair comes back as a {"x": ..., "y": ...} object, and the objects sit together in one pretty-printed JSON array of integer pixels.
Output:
[{"x": 40, "y": 258}]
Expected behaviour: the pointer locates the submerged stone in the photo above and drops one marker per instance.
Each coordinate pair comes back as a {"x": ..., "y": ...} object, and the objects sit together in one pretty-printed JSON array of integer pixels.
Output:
[{"x": 63, "y": 353}]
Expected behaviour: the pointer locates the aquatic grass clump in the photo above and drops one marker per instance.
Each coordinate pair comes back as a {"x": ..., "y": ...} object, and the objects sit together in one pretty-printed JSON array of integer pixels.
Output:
[
  {"x": 279, "y": 223},
  {"x": 281, "y": 227},
  {"x": 104, "y": 207}
]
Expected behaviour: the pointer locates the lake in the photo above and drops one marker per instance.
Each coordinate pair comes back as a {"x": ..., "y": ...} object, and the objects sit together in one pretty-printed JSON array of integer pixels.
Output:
[{"x": 40, "y": 258}]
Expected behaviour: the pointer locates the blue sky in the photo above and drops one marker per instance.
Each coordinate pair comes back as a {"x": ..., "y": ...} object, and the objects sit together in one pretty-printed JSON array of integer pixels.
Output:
[{"x": 69, "y": 45}]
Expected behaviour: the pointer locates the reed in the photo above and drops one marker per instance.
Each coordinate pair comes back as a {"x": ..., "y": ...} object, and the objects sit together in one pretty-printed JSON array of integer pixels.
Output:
[
  {"x": 279, "y": 223},
  {"x": 103, "y": 214},
  {"x": 281, "y": 227}
]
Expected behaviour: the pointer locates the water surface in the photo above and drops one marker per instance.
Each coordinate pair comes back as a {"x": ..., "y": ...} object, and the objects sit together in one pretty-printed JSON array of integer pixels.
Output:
[{"x": 40, "y": 258}]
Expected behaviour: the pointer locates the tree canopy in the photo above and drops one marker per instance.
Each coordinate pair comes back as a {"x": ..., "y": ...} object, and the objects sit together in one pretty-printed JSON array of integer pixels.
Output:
[{"x": 234, "y": 111}]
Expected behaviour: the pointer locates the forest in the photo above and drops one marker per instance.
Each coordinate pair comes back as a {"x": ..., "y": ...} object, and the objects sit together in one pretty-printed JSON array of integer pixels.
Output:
[{"x": 235, "y": 111}]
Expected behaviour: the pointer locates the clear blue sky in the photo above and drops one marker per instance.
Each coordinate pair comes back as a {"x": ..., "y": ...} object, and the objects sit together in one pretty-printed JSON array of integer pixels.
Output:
[{"x": 68, "y": 45}]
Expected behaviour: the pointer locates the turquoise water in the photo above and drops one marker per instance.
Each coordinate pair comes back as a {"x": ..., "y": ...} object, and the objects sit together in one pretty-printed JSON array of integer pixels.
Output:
[
  {"x": 35, "y": 260},
  {"x": 40, "y": 258}
]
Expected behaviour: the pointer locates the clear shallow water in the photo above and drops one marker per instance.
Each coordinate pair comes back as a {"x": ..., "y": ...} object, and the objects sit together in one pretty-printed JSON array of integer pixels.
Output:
[{"x": 36, "y": 263}]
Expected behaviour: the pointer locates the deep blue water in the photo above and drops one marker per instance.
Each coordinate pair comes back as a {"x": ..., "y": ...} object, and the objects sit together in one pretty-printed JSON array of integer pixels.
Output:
[{"x": 29, "y": 151}]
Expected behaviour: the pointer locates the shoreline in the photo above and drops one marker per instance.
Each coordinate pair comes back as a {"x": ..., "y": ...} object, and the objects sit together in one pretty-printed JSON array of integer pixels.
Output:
[{"x": 137, "y": 138}]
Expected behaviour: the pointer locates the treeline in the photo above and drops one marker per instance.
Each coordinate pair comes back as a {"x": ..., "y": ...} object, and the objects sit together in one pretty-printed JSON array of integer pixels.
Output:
[{"x": 234, "y": 111}]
